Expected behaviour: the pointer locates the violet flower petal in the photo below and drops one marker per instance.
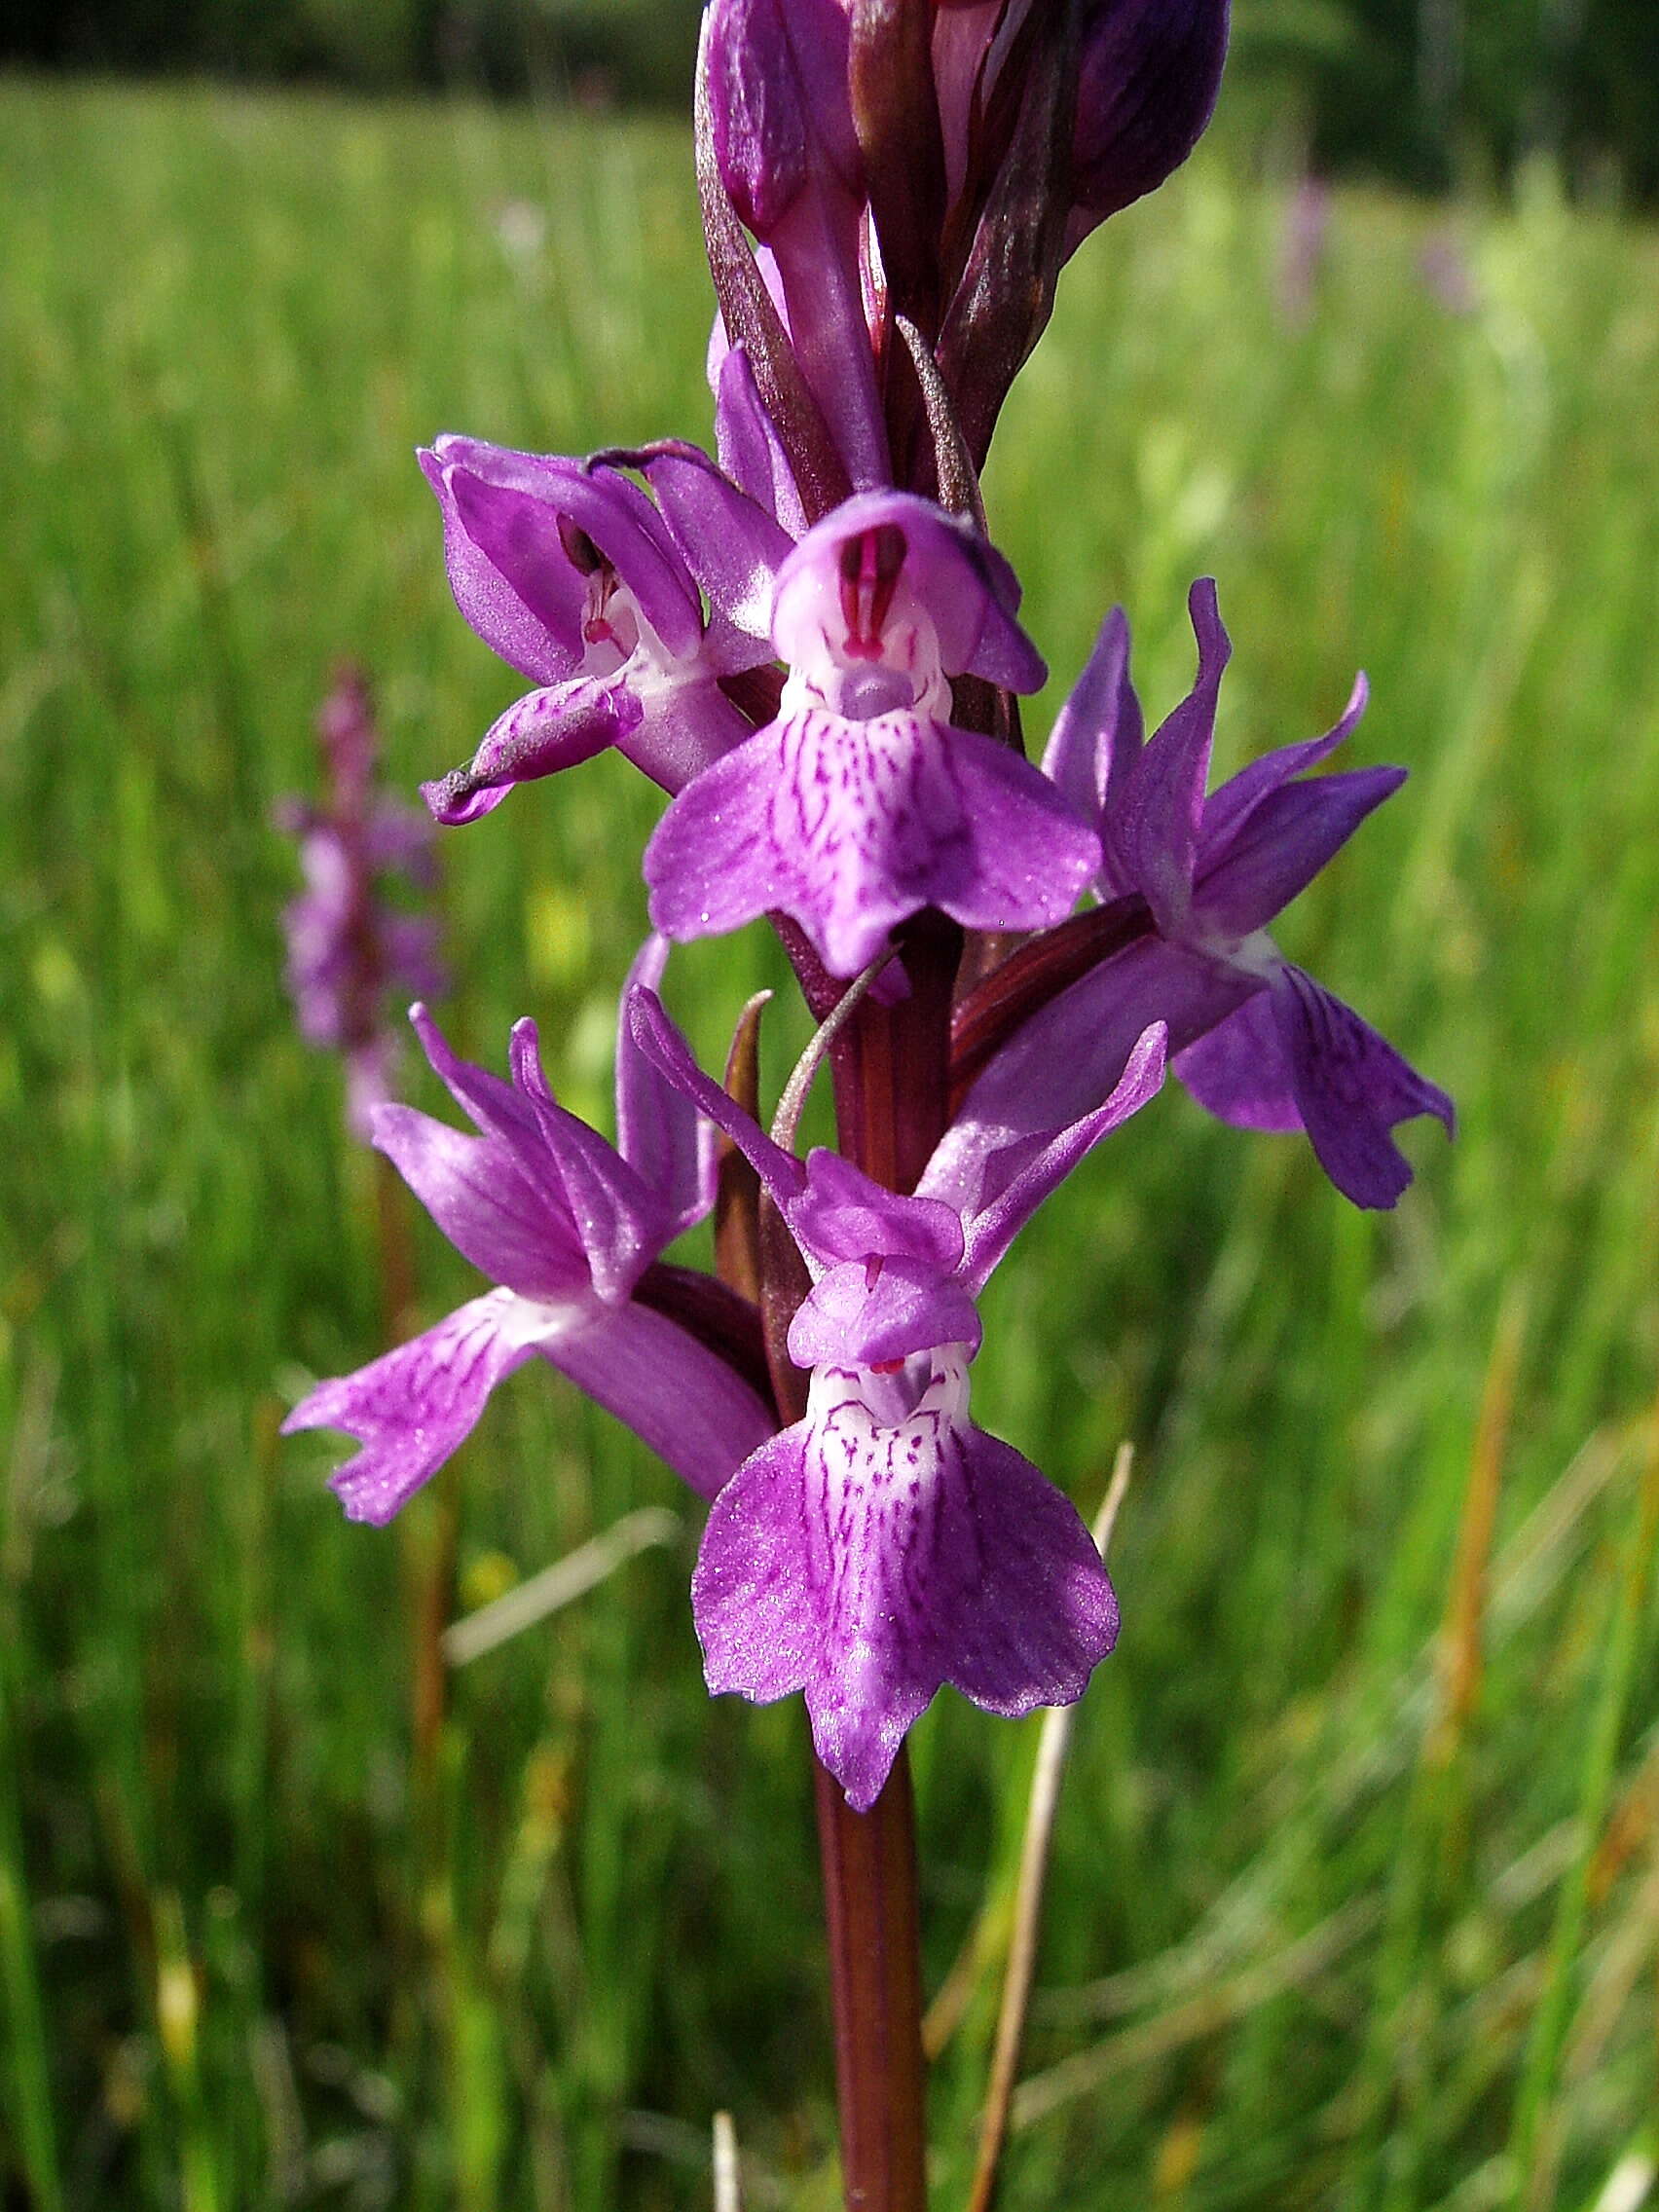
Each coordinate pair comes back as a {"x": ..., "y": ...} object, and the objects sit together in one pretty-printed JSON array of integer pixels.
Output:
[
  {"x": 1148, "y": 78},
  {"x": 1283, "y": 845},
  {"x": 1239, "y": 1073},
  {"x": 852, "y": 827},
  {"x": 509, "y": 504},
  {"x": 540, "y": 734},
  {"x": 621, "y": 1224},
  {"x": 1226, "y": 810},
  {"x": 662, "y": 1043},
  {"x": 867, "y": 1562},
  {"x": 1353, "y": 1087},
  {"x": 732, "y": 546},
  {"x": 844, "y": 1214},
  {"x": 870, "y": 1312},
  {"x": 1150, "y": 830},
  {"x": 1097, "y": 734},
  {"x": 1010, "y": 1199},
  {"x": 659, "y": 1131},
  {"x": 492, "y": 1201},
  {"x": 494, "y": 1105},
  {"x": 778, "y": 86},
  {"x": 678, "y": 1397},
  {"x": 750, "y": 448},
  {"x": 965, "y": 584},
  {"x": 1071, "y": 1055},
  {"x": 543, "y": 644},
  {"x": 415, "y": 1406}
]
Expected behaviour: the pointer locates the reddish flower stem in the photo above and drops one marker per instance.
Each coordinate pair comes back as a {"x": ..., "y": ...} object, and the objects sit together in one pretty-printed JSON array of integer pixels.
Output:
[
  {"x": 892, "y": 1105},
  {"x": 870, "y": 1915}
]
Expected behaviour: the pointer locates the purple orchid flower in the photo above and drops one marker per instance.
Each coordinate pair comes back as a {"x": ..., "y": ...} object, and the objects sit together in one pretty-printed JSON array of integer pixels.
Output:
[
  {"x": 565, "y": 1225},
  {"x": 860, "y": 804},
  {"x": 884, "y": 1545},
  {"x": 1256, "y": 1040},
  {"x": 569, "y": 573},
  {"x": 349, "y": 949}
]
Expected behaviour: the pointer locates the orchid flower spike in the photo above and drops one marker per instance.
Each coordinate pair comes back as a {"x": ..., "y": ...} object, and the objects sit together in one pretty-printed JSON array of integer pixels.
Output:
[
  {"x": 885, "y": 1545},
  {"x": 571, "y": 576},
  {"x": 565, "y": 1226},
  {"x": 861, "y": 803}
]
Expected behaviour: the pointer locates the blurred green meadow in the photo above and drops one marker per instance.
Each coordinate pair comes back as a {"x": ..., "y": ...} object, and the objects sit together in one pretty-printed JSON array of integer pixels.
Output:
[{"x": 1355, "y": 1894}]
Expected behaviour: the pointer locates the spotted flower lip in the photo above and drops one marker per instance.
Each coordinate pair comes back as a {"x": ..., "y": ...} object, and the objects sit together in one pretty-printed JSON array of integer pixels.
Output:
[
  {"x": 572, "y": 575},
  {"x": 861, "y": 803},
  {"x": 885, "y": 1545},
  {"x": 1257, "y": 1041},
  {"x": 564, "y": 1225}
]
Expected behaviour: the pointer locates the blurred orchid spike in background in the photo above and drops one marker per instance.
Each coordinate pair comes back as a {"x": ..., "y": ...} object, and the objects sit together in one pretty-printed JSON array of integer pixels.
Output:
[{"x": 354, "y": 955}]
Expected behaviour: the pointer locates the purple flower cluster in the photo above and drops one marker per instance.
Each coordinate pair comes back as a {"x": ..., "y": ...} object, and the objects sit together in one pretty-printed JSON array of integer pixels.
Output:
[
  {"x": 811, "y": 644},
  {"x": 353, "y": 953}
]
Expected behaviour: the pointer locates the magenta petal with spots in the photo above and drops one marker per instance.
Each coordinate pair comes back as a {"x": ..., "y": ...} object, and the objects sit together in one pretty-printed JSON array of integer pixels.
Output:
[
  {"x": 415, "y": 1406},
  {"x": 885, "y": 1547},
  {"x": 851, "y": 827},
  {"x": 862, "y": 804}
]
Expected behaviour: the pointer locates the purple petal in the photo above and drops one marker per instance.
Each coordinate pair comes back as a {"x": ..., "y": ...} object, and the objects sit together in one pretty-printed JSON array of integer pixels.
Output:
[
  {"x": 732, "y": 546},
  {"x": 1068, "y": 1061},
  {"x": 1096, "y": 738},
  {"x": 1151, "y": 828},
  {"x": 415, "y": 1407},
  {"x": 866, "y": 1313},
  {"x": 493, "y": 1201},
  {"x": 1353, "y": 1087},
  {"x": 746, "y": 439},
  {"x": 540, "y": 734},
  {"x": 818, "y": 241},
  {"x": 1035, "y": 1612},
  {"x": 682, "y": 728},
  {"x": 751, "y": 1594},
  {"x": 663, "y": 1045},
  {"x": 843, "y": 1214},
  {"x": 659, "y": 1131},
  {"x": 677, "y": 1396},
  {"x": 778, "y": 98},
  {"x": 1228, "y": 809},
  {"x": 852, "y": 827},
  {"x": 867, "y": 1560},
  {"x": 991, "y": 1230},
  {"x": 544, "y": 641},
  {"x": 621, "y": 1224},
  {"x": 495, "y": 1106},
  {"x": 1237, "y": 1071},
  {"x": 1286, "y": 840},
  {"x": 511, "y": 504}
]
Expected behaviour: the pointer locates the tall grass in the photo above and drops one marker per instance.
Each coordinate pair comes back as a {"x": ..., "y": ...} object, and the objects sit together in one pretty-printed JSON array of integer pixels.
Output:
[{"x": 1356, "y": 1898}]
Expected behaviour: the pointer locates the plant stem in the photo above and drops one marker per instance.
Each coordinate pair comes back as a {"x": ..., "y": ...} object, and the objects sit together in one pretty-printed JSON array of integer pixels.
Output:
[
  {"x": 870, "y": 1912},
  {"x": 892, "y": 1106}
]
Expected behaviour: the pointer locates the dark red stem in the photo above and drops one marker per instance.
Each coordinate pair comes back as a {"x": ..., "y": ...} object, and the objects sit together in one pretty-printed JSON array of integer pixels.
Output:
[{"x": 893, "y": 1099}]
